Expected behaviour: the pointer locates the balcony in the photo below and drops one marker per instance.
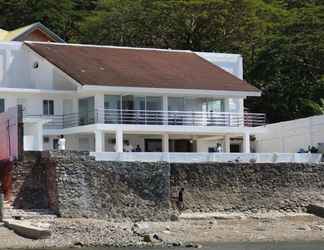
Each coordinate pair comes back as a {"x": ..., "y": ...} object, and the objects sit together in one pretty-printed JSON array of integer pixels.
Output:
[{"x": 141, "y": 117}]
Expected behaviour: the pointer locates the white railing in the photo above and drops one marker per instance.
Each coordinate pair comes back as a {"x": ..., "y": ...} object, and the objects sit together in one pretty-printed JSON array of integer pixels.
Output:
[
  {"x": 184, "y": 118},
  {"x": 209, "y": 157},
  {"x": 152, "y": 117}
]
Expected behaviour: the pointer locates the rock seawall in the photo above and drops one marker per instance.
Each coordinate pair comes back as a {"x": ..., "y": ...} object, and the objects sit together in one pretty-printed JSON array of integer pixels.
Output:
[
  {"x": 75, "y": 185},
  {"x": 87, "y": 188},
  {"x": 235, "y": 187}
]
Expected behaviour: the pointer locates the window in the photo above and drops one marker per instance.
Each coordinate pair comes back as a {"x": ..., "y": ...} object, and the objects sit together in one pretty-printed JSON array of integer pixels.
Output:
[
  {"x": 48, "y": 107},
  {"x": 2, "y": 105}
]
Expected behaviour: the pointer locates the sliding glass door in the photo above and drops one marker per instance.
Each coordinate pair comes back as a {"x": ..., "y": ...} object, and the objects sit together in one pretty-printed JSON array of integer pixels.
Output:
[{"x": 86, "y": 111}]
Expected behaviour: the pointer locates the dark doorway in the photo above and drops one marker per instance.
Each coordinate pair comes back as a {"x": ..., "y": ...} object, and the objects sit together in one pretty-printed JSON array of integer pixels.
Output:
[
  {"x": 182, "y": 146},
  {"x": 235, "y": 148},
  {"x": 153, "y": 145}
]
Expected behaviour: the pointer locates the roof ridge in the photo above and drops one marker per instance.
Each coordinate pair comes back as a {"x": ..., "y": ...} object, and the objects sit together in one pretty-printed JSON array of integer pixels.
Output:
[{"x": 107, "y": 46}]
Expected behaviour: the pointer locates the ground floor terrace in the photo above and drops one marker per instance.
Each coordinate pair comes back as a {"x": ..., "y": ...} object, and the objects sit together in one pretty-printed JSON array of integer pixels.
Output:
[{"x": 151, "y": 142}]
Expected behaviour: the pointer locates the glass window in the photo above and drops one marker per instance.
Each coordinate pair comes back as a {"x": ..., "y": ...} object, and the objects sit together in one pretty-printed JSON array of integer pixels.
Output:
[
  {"x": 176, "y": 103},
  {"x": 2, "y": 105},
  {"x": 86, "y": 111},
  {"x": 139, "y": 102},
  {"x": 154, "y": 103},
  {"x": 215, "y": 106},
  {"x": 48, "y": 107},
  {"x": 112, "y": 102}
]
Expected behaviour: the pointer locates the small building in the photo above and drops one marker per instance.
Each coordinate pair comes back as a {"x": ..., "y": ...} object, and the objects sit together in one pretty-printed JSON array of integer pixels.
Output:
[{"x": 34, "y": 32}]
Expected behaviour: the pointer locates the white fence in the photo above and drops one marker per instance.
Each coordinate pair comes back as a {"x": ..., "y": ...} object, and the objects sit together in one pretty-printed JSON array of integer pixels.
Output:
[{"x": 209, "y": 157}]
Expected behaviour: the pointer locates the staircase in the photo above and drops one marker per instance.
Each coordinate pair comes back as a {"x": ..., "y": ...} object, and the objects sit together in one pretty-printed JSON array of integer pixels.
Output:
[{"x": 27, "y": 214}]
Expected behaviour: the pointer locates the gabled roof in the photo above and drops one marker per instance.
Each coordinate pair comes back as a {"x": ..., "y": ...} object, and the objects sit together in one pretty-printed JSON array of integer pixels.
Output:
[
  {"x": 130, "y": 67},
  {"x": 14, "y": 35}
]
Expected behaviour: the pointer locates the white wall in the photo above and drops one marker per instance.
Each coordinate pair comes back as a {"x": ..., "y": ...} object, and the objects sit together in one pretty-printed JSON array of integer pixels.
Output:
[
  {"x": 232, "y": 63},
  {"x": 291, "y": 136},
  {"x": 17, "y": 71}
]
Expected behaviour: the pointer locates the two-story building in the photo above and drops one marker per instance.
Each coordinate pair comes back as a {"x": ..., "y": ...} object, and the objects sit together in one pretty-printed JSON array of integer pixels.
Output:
[{"x": 106, "y": 99}]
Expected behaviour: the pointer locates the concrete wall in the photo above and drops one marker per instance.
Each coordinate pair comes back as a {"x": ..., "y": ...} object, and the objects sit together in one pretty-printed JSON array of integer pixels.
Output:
[{"x": 291, "y": 136}]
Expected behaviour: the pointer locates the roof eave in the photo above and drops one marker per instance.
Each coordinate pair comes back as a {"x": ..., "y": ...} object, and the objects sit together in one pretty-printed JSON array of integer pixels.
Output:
[{"x": 167, "y": 91}]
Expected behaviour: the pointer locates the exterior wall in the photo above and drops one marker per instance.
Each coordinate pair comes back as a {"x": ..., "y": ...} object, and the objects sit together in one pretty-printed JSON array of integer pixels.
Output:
[
  {"x": 17, "y": 70},
  {"x": 231, "y": 63},
  {"x": 291, "y": 136}
]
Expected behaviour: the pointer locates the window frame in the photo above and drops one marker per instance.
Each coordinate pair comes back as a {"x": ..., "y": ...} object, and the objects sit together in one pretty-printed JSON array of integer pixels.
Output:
[
  {"x": 2, "y": 107},
  {"x": 47, "y": 109}
]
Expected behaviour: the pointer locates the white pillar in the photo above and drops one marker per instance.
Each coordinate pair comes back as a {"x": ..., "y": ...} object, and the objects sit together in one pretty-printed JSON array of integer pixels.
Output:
[
  {"x": 40, "y": 134},
  {"x": 165, "y": 109},
  {"x": 165, "y": 143},
  {"x": 227, "y": 140},
  {"x": 100, "y": 141},
  {"x": 119, "y": 141},
  {"x": 99, "y": 107},
  {"x": 246, "y": 143}
]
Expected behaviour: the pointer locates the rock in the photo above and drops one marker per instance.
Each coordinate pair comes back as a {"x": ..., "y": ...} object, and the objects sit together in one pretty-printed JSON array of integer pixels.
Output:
[
  {"x": 320, "y": 227},
  {"x": 192, "y": 245},
  {"x": 304, "y": 228},
  {"x": 78, "y": 244},
  {"x": 151, "y": 238},
  {"x": 174, "y": 217}
]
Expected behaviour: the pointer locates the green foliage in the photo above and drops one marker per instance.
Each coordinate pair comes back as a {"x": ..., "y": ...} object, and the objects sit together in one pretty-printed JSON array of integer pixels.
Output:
[{"x": 282, "y": 41}]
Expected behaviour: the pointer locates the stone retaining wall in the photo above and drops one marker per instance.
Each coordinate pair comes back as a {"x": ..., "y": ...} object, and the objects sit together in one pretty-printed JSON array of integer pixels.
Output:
[
  {"x": 75, "y": 185},
  {"x": 231, "y": 187},
  {"x": 87, "y": 188},
  {"x": 30, "y": 186}
]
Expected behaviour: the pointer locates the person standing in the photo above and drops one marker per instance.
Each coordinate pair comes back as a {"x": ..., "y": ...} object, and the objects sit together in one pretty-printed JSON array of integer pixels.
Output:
[
  {"x": 61, "y": 143},
  {"x": 180, "y": 199}
]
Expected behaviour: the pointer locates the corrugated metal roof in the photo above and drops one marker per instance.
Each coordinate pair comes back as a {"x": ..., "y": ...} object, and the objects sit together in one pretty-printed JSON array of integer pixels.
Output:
[{"x": 129, "y": 67}]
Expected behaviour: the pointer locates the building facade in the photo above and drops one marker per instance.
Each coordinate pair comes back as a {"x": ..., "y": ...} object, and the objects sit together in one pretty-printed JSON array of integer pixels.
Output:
[{"x": 113, "y": 99}]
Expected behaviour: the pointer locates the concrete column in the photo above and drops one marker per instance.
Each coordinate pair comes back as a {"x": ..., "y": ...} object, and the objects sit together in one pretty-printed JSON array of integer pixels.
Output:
[
  {"x": 165, "y": 143},
  {"x": 246, "y": 143},
  {"x": 100, "y": 141},
  {"x": 119, "y": 141},
  {"x": 227, "y": 104},
  {"x": 40, "y": 135},
  {"x": 99, "y": 107},
  {"x": 165, "y": 108},
  {"x": 227, "y": 140}
]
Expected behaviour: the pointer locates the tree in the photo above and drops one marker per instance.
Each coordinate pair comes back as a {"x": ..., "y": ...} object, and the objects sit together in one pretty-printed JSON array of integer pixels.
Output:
[{"x": 290, "y": 70}]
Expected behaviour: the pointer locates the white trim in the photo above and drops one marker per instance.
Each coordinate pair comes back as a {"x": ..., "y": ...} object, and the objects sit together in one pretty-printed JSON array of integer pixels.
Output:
[
  {"x": 108, "y": 46},
  {"x": 155, "y": 129},
  {"x": 165, "y": 91},
  {"x": 37, "y": 91}
]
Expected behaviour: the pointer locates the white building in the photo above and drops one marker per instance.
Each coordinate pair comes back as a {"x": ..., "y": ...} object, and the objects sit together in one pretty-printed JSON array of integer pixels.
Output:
[{"x": 107, "y": 99}]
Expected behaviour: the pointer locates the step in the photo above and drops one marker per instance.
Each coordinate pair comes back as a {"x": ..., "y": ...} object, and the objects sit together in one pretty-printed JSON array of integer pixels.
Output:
[{"x": 29, "y": 214}]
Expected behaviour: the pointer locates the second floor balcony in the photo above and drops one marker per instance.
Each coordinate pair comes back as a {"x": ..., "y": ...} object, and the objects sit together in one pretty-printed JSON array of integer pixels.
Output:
[{"x": 153, "y": 117}]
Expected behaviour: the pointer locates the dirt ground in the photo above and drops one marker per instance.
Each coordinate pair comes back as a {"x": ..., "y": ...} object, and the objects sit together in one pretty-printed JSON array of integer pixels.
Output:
[{"x": 203, "y": 231}]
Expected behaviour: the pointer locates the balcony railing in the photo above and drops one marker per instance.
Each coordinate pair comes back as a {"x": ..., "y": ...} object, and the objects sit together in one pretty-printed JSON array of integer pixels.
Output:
[{"x": 151, "y": 117}]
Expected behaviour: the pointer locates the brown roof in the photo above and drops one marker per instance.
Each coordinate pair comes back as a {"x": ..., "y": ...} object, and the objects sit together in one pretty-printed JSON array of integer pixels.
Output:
[{"x": 126, "y": 67}]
